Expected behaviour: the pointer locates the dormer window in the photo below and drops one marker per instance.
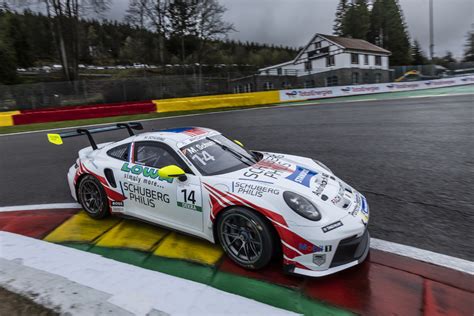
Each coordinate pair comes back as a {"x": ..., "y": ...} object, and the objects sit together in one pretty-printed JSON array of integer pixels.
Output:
[{"x": 317, "y": 45}]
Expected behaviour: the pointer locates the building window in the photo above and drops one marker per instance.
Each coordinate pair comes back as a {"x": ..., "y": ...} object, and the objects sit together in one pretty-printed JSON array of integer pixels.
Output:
[
  {"x": 330, "y": 61},
  {"x": 378, "y": 60},
  {"x": 279, "y": 71},
  {"x": 268, "y": 85},
  {"x": 308, "y": 66},
  {"x": 354, "y": 58},
  {"x": 248, "y": 87},
  {"x": 378, "y": 78},
  {"x": 366, "y": 59},
  {"x": 355, "y": 78},
  {"x": 285, "y": 85},
  {"x": 366, "y": 78},
  {"x": 331, "y": 81},
  {"x": 309, "y": 83},
  {"x": 317, "y": 45}
]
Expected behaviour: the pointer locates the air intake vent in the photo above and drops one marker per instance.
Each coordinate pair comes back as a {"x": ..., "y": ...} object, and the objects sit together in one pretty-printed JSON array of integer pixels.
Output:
[{"x": 109, "y": 175}]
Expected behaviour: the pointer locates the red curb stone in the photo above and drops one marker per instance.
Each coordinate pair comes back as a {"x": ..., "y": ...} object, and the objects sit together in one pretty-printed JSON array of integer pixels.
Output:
[
  {"x": 444, "y": 275},
  {"x": 371, "y": 289},
  {"x": 35, "y": 224},
  {"x": 441, "y": 299}
]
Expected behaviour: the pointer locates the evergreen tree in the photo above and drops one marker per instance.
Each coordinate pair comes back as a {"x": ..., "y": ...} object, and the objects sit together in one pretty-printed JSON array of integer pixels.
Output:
[
  {"x": 7, "y": 64},
  {"x": 356, "y": 21},
  {"x": 340, "y": 13},
  {"x": 469, "y": 47},
  {"x": 418, "y": 56},
  {"x": 388, "y": 30}
]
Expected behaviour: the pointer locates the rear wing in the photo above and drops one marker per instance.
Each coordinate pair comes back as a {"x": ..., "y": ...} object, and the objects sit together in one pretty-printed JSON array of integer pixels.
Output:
[{"x": 57, "y": 139}]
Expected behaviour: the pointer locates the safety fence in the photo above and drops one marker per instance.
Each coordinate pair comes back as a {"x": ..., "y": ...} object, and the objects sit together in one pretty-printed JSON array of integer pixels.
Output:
[{"x": 217, "y": 101}]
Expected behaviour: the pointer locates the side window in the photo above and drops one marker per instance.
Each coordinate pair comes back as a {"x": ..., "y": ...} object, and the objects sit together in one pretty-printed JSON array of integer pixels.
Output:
[
  {"x": 155, "y": 155},
  {"x": 120, "y": 152}
]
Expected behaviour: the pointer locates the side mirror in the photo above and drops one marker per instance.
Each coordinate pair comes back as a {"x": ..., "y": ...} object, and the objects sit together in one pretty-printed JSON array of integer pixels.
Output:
[
  {"x": 238, "y": 143},
  {"x": 172, "y": 171}
]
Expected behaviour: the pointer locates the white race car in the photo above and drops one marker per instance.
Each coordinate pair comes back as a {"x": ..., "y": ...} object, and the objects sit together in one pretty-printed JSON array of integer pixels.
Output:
[{"x": 257, "y": 205}]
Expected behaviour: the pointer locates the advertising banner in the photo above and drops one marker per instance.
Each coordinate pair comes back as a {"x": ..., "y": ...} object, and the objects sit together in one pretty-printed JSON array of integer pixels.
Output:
[{"x": 340, "y": 91}]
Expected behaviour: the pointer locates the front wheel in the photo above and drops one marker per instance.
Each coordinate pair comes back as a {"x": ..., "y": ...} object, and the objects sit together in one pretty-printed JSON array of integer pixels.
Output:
[
  {"x": 91, "y": 195},
  {"x": 246, "y": 238}
]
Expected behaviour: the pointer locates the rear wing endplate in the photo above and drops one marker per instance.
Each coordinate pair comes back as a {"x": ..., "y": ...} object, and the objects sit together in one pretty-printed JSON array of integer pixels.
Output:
[{"x": 57, "y": 139}]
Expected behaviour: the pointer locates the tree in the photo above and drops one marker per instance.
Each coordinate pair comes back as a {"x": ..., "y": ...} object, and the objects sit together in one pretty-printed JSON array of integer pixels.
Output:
[
  {"x": 418, "y": 56},
  {"x": 210, "y": 25},
  {"x": 388, "y": 30},
  {"x": 183, "y": 21},
  {"x": 356, "y": 20},
  {"x": 340, "y": 13},
  {"x": 469, "y": 47},
  {"x": 64, "y": 17},
  {"x": 7, "y": 64}
]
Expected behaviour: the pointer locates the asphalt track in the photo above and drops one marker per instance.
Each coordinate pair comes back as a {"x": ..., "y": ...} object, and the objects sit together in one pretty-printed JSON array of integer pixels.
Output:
[{"x": 412, "y": 158}]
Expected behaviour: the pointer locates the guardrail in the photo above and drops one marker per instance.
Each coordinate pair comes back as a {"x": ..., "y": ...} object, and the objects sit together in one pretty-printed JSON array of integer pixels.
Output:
[{"x": 218, "y": 101}]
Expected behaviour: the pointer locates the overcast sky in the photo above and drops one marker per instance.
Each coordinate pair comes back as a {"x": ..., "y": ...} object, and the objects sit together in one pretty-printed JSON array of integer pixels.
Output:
[{"x": 293, "y": 22}]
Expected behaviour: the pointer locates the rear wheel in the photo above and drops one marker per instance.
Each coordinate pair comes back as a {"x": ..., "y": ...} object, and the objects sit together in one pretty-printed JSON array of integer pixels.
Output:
[
  {"x": 246, "y": 238},
  {"x": 91, "y": 195}
]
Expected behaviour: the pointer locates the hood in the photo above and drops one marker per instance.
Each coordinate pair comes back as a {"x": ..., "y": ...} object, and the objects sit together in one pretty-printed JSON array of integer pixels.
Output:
[{"x": 333, "y": 197}]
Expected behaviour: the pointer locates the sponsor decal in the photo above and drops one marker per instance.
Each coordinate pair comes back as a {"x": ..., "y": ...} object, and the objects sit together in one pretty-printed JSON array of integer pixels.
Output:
[
  {"x": 322, "y": 182},
  {"x": 365, "y": 89},
  {"x": 253, "y": 189},
  {"x": 157, "y": 138},
  {"x": 390, "y": 86},
  {"x": 332, "y": 226},
  {"x": 336, "y": 199},
  {"x": 428, "y": 83},
  {"x": 314, "y": 93},
  {"x": 144, "y": 196},
  {"x": 292, "y": 94},
  {"x": 117, "y": 203},
  {"x": 147, "y": 172},
  {"x": 270, "y": 167},
  {"x": 302, "y": 176},
  {"x": 314, "y": 248},
  {"x": 348, "y": 89},
  {"x": 319, "y": 260}
]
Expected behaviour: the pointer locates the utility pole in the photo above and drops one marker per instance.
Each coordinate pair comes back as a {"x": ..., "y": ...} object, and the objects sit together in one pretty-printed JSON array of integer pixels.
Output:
[{"x": 431, "y": 31}]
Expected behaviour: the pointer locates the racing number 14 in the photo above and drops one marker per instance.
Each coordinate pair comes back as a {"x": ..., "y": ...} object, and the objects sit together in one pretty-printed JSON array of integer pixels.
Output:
[{"x": 188, "y": 197}]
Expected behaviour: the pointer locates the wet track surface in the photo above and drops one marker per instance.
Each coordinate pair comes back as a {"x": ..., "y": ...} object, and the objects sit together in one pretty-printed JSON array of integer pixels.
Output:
[{"x": 412, "y": 158}]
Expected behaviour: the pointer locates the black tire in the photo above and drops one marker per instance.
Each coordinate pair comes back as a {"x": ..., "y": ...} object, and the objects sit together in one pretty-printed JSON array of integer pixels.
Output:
[
  {"x": 246, "y": 237},
  {"x": 91, "y": 195}
]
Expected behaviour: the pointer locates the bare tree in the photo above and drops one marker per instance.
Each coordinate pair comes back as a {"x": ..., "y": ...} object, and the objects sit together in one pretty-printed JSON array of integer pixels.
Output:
[
  {"x": 151, "y": 14},
  {"x": 64, "y": 16},
  {"x": 210, "y": 25}
]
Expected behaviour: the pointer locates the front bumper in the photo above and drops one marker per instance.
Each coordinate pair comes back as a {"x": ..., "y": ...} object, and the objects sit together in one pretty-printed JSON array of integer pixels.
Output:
[{"x": 349, "y": 252}]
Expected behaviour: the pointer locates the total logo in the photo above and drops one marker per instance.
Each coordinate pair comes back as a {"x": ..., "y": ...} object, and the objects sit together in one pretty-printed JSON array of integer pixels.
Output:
[
  {"x": 292, "y": 94},
  {"x": 315, "y": 248},
  {"x": 348, "y": 89}
]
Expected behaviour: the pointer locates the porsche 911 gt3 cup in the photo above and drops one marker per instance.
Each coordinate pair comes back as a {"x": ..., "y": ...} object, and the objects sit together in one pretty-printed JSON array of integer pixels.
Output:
[{"x": 257, "y": 205}]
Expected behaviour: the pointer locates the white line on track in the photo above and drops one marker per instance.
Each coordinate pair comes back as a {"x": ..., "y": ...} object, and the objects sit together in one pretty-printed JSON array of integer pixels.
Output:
[
  {"x": 276, "y": 106},
  {"x": 39, "y": 207},
  {"x": 383, "y": 245}
]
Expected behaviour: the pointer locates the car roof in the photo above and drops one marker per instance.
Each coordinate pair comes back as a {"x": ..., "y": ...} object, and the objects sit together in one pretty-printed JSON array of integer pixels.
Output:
[{"x": 178, "y": 135}]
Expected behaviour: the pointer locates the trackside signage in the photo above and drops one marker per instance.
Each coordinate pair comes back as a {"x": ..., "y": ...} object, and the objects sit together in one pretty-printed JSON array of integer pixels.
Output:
[{"x": 340, "y": 91}]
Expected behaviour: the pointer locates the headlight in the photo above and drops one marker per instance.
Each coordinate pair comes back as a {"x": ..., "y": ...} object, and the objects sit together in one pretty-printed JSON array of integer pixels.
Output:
[
  {"x": 322, "y": 165},
  {"x": 302, "y": 206}
]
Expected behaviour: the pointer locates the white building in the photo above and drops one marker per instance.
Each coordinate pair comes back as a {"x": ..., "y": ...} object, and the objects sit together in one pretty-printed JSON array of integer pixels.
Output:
[{"x": 325, "y": 61}]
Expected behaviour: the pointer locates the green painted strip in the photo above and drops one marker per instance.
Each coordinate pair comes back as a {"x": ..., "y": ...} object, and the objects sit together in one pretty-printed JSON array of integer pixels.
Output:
[{"x": 271, "y": 294}]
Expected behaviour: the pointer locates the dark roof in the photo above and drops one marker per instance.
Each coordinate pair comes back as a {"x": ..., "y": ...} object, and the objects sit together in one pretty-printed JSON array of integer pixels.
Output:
[{"x": 355, "y": 44}]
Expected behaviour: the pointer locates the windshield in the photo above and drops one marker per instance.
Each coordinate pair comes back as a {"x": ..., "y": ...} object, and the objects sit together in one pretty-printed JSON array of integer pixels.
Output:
[{"x": 217, "y": 155}]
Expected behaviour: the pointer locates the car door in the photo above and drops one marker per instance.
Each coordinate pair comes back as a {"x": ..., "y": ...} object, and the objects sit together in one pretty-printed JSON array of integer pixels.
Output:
[{"x": 167, "y": 200}]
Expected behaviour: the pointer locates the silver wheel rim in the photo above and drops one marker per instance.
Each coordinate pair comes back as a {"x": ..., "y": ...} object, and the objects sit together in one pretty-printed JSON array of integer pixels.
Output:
[
  {"x": 91, "y": 196},
  {"x": 241, "y": 238}
]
